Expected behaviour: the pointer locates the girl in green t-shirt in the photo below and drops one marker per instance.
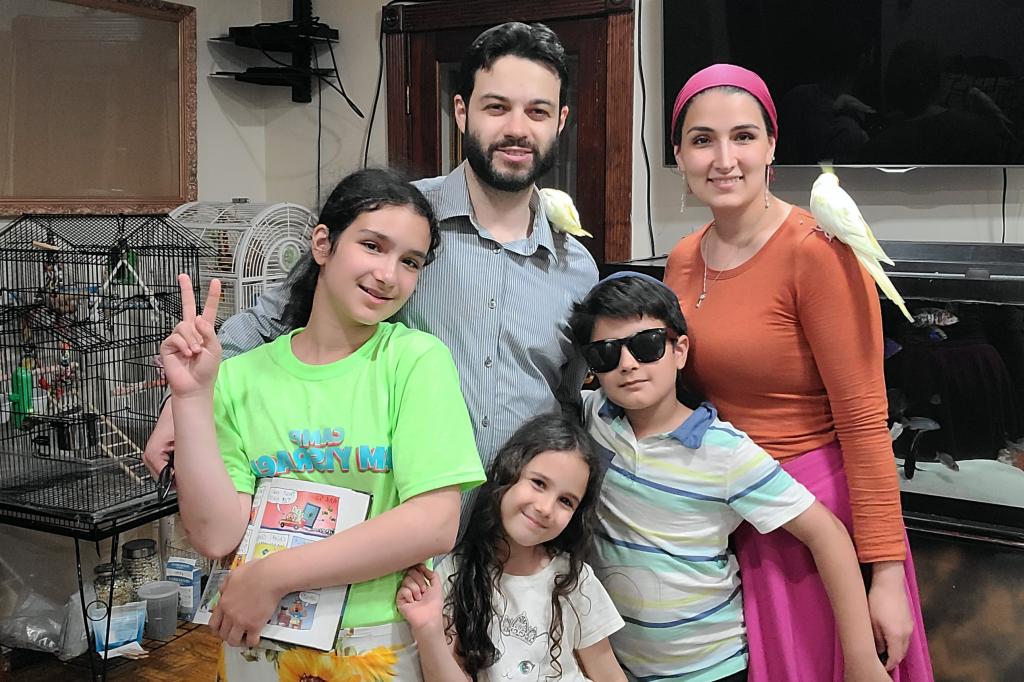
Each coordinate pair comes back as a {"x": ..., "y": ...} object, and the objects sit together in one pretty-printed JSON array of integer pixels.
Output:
[{"x": 374, "y": 235}]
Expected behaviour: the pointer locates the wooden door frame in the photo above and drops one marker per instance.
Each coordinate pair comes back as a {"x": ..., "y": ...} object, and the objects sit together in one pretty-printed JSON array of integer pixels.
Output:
[{"x": 400, "y": 23}]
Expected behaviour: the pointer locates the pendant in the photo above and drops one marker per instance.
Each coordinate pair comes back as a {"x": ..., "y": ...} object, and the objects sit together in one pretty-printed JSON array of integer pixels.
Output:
[{"x": 700, "y": 298}]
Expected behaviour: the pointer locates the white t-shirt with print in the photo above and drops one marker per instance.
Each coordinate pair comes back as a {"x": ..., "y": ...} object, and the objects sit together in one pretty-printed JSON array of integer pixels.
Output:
[{"x": 523, "y": 616}]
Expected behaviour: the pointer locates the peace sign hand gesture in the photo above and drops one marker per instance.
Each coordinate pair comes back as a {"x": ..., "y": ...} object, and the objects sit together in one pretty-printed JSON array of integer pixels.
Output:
[{"x": 191, "y": 354}]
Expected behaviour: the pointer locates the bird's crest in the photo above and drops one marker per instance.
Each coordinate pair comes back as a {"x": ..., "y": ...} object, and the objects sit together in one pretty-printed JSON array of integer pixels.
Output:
[{"x": 828, "y": 175}]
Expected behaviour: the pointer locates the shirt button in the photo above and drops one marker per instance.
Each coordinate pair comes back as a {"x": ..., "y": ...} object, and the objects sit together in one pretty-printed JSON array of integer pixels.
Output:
[
  {"x": 488, "y": 362},
  {"x": 492, "y": 304},
  {"x": 497, "y": 249},
  {"x": 485, "y": 422}
]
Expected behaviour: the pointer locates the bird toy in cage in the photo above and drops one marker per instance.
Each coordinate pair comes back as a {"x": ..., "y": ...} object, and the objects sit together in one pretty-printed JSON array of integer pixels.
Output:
[
  {"x": 58, "y": 380},
  {"x": 20, "y": 397},
  {"x": 52, "y": 293}
]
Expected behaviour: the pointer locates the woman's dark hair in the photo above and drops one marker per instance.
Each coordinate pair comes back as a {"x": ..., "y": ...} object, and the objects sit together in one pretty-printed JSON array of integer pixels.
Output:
[
  {"x": 677, "y": 134},
  {"x": 479, "y": 555},
  {"x": 625, "y": 298},
  {"x": 360, "y": 192},
  {"x": 535, "y": 42}
]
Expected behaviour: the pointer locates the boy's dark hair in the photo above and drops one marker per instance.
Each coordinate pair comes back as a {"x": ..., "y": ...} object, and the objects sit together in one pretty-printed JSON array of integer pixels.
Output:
[
  {"x": 535, "y": 42},
  {"x": 363, "y": 191},
  {"x": 468, "y": 605},
  {"x": 625, "y": 298}
]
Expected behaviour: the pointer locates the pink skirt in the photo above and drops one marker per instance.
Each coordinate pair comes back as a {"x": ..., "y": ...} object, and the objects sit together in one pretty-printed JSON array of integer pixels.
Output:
[{"x": 790, "y": 628}]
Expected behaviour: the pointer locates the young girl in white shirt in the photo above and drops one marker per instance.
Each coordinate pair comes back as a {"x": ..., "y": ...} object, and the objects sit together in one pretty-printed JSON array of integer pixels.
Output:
[{"x": 516, "y": 599}]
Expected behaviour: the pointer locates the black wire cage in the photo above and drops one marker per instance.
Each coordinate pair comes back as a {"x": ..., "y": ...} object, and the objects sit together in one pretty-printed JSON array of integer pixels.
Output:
[{"x": 84, "y": 304}]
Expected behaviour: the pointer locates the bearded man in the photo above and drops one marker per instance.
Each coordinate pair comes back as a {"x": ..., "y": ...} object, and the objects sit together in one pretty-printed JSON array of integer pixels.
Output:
[{"x": 499, "y": 292}]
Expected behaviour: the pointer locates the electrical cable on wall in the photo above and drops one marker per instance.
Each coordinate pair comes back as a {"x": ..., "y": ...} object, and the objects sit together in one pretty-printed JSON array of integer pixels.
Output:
[
  {"x": 380, "y": 80},
  {"x": 314, "y": 73},
  {"x": 341, "y": 88},
  {"x": 643, "y": 118},
  {"x": 380, "y": 77},
  {"x": 319, "y": 129},
  {"x": 321, "y": 79},
  {"x": 376, "y": 92},
  {"x": 1003, "y": 241}
]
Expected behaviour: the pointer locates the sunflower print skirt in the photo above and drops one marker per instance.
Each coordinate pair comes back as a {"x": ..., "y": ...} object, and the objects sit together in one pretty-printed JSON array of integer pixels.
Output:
[{"x": 381, "y": 653}]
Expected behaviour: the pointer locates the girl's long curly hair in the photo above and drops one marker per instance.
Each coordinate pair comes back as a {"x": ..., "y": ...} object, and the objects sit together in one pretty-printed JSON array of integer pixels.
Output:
[{"x": 480, "y": 554}]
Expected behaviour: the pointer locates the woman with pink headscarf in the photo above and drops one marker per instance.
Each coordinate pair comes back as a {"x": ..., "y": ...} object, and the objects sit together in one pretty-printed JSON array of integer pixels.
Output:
[{"x": 787, "y": 344}]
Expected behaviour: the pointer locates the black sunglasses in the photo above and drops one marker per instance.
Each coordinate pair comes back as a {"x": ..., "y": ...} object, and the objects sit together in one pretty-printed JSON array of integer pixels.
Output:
[{"x": 646, "y": 346}]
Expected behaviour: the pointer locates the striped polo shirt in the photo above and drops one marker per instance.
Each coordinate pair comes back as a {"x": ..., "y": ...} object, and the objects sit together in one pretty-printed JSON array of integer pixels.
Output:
[
  {"x": 502, "y": 310},
  {"x": 667, "y": 507}
]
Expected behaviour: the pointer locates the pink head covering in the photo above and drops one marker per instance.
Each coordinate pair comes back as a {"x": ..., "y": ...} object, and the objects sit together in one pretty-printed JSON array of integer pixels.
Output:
[{"x": 718, "y": 75}]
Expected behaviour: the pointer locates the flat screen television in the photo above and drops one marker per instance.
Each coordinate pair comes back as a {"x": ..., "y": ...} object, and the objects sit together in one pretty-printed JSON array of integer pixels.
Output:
[{"x": 873, "y": 82}]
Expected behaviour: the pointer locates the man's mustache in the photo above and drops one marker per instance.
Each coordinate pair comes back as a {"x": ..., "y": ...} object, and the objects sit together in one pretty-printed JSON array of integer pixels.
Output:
[{"x": 512, "y": 142}]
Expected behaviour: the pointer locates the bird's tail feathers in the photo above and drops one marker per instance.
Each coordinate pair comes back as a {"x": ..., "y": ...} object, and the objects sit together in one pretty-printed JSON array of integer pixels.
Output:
[
  {"x": 884, "y": 283},
  {"x": 879, "y": 252}
]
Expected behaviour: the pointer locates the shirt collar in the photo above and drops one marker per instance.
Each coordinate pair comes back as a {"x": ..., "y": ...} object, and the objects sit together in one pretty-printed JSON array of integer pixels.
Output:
[
  {"x": 690, "y": 433},
  {"x": 456, "y": 202}
]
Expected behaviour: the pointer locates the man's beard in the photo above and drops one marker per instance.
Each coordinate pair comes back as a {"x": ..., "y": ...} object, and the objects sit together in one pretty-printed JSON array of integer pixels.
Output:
[{"x": 482, "y": 162}]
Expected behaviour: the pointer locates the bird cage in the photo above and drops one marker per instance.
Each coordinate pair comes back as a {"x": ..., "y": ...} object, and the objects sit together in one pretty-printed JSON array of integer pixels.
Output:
[
  {"x": 86, "y": 302},
  {"x": 255, "y": 246}
]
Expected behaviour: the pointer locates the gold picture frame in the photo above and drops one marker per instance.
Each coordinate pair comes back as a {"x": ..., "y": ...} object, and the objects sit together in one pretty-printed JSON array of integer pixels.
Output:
[{"x": 100, "y": 110}]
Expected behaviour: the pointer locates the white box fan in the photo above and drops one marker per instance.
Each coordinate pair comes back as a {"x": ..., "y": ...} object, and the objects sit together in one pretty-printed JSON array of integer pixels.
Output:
[{"x": 256, "y": 246}]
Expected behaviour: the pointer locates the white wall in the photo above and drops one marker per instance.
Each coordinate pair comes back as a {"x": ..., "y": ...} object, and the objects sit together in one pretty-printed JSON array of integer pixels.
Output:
[
  {"x": 231, "y": 117},
  {"x": 291, "y": 128},
  {"x": 938, "y": 204}
]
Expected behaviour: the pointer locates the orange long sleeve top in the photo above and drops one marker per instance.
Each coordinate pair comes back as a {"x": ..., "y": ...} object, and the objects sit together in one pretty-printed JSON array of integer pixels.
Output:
[{"x": 788, "y": 347}]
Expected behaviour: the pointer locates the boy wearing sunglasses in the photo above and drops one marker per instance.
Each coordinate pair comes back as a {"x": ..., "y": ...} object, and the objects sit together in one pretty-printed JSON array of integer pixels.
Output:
[{"x": 678, "y": 482}]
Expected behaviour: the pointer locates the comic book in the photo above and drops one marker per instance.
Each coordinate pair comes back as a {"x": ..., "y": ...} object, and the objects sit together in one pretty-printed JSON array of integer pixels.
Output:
[{"x": 288, "y": 513}]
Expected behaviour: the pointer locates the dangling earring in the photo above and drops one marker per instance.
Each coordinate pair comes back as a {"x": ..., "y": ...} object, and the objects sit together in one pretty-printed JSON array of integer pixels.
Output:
[
  {"x": 767, "y": 174},
  {"x": 682, "y": 201}
]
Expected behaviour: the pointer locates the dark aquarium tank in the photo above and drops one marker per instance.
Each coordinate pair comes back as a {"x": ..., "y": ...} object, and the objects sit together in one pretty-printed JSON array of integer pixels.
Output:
[{"x": 955, "y": 380}]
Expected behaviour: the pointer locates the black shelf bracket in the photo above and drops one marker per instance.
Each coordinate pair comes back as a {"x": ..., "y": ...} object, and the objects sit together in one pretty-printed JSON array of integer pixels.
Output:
[{"x": 296, "y": 37}]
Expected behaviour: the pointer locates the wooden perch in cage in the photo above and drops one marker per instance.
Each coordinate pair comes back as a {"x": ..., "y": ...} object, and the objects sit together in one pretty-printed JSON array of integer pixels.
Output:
[
  {"x": 138, "y": 386},
  {"x": 48, "y": 369}
]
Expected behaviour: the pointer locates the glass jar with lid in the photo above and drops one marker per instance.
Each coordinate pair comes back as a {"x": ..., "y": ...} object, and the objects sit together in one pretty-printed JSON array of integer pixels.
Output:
[
  {"x": 142, "y": 562},
  {"x": 124, "y": 592}
]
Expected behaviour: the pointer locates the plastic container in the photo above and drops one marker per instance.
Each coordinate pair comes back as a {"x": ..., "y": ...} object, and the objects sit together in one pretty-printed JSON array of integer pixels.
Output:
[{"x": 161, "y": 608}]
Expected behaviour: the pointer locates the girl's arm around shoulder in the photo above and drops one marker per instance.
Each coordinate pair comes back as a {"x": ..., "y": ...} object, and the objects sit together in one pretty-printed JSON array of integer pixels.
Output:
[
  {"x": 833, "y": 553},
  {"x": 420, "y": 600},
  {"x": 599, "y": 663},
  {"x": 598, "y": 620}
]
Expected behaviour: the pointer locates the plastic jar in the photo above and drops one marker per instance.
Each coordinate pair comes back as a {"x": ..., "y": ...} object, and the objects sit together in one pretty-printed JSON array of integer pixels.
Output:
[
  {"x": 124, "y": 591},
  {"x": 142, "y": 562}
]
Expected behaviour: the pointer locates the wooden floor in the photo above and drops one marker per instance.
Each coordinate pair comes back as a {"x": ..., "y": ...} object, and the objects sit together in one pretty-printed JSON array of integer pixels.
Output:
[{"x": 192, "y": 656}]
